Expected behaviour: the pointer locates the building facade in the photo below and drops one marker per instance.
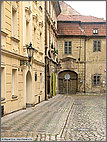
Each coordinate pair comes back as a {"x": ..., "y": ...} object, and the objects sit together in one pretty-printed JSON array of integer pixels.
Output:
[
  {"x": 82, "y": 53},
  {"x": 51, "y": 58},
  {"x": 22, "y": 84}
]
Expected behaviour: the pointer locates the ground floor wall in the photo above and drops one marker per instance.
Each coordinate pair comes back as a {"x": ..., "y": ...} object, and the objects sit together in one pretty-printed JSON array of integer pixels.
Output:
[
  {"x": 16, "y": 90},
  {"x": 95, "y": 69},
  {"x": 12, "y": 84},
  {"x": 51, "y": 78}
]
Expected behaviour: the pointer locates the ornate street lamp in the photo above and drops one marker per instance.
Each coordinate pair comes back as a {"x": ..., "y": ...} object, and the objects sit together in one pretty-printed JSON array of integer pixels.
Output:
[{"x": 30, "y": 51}]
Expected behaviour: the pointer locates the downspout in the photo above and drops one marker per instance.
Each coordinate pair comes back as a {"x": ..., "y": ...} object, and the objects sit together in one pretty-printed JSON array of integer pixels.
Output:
[
  {"x": 84, "y": 64},
  {"x": 45, "y": 53}
]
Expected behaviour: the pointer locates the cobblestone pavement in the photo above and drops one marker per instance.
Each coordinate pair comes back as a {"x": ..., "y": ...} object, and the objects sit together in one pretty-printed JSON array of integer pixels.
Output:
[
  {"x": 87, "y": 120},
  {"x": 45, "y": 121}
]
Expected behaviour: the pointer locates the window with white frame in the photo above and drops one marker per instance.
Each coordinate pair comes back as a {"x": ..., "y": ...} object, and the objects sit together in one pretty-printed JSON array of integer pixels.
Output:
[
  {"x": 95, "y": 31},
  {"x": 14, "y": 81},
  {"x": 96, "y": 45},
  {"x": 68, "y": 47}
]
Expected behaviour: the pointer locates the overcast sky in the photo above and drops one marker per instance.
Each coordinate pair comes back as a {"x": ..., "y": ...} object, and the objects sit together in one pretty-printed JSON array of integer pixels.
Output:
[{"x": 89, "y": 8}]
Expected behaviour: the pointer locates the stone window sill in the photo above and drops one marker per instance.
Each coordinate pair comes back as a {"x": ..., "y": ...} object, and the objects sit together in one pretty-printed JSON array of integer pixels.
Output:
[
  {"x": 14, "y": 97},
  {"x": 2, "y": 99},
  {"x": 14, "y": 39},
  {"x": 3, "y": 32}
]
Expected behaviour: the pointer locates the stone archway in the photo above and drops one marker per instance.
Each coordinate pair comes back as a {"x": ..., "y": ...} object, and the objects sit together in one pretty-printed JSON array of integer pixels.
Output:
[
  {"x": 72, "y": 82},
  {"x": 28, "y": 89}
]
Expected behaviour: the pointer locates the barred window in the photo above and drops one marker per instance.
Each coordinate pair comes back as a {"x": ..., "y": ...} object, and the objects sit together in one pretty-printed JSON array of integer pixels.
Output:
[
  {"x": 68, "y": 47},
  {"x": 97, "y": 80},
  {"x": 96, "y": 45}
]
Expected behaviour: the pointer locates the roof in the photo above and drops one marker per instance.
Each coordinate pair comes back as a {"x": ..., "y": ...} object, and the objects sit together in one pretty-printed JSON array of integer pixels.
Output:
[
  {"x": 57, "y": 7},
  {"x": 69, "y": 29},
  {"x": 67, "y": 9},
  {"x": 81, "y": 29},
  {"x": 81, "y": 18}
]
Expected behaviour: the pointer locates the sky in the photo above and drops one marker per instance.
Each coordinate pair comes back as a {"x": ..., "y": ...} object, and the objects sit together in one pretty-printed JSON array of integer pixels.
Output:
[{"x": 89, "y": 8}]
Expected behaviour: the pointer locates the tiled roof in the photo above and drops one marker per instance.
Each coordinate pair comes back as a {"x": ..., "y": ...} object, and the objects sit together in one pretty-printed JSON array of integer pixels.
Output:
[
  {"x": 85, "y": 29},
  {"x": 69, "y": 29},
  {"x": 81, "y": 18},
  {"x": 67, "y": 9},
  {"x": 88, "y": 29}
]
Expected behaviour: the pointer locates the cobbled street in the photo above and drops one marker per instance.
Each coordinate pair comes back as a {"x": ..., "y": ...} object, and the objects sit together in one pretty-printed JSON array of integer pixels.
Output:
[
  {"x": 61, "y": 118},
  {"x": 87, "y": 121},
  {"x": 45, "y": 121}
]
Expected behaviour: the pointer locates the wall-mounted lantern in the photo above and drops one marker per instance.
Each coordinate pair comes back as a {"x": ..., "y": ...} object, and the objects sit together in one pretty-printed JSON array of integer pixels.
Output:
[
  {"x": 59, "y": 65},
  {"x": 30, "y": 51}
]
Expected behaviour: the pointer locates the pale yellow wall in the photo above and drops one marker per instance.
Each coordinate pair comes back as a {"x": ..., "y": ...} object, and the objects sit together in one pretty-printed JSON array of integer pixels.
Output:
[
  {"x": 76, "y": 42},
  {"x": 96, "y": 64},
  {"x": 13, "y": 50}
]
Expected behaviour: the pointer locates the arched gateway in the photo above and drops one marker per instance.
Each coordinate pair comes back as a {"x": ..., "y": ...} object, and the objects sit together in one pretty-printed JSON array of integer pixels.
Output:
[{"x": 71, "y": 86}]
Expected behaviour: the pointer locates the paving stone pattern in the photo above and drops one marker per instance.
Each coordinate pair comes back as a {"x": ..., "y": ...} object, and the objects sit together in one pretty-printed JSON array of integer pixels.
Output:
[
  {"x": 63, "y": 118},
  {"x": 87, "y": 121},
  {"x": 42, "y": 122}
]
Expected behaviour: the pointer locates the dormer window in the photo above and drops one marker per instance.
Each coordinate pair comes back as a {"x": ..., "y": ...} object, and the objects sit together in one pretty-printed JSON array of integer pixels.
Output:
[{"x": 95, "y": 31}]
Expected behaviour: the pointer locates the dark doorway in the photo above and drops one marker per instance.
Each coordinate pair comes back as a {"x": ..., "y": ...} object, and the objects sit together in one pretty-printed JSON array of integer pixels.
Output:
[{"x": 72, "y": 82}]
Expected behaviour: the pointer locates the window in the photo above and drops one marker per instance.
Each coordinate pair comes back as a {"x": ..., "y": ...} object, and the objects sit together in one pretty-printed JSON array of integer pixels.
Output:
[
  {"x": 51, "y": 10},
  {"x": 40, "y": 77},
  {"x": 2, "y": 15},
  {"x": 95, "y": 31},
  {"x": 27, "y": 32},
  {"x": 40, "y": 7},
  {"x": 96, "y": 45},
  {"x": 48, "y": 6},
  {"x": 41, "y": 82},
  {"x": 14, "y": 22},
  {"x": 34, "y": 38},
  {"x": 68, "y": 47},
  {"x": 48, "y": 36},
  {"x": 51, "y": 41},
  {"x": 40, "y": 40},
  {"x": 14, "y": 80},
  {"x": 2, "y": 82},
  {"x": 35, "y": 76},
  {"x": 96, "y": 80}
]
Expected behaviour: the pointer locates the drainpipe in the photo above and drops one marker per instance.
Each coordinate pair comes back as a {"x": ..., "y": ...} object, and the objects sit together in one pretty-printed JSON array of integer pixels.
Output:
[
  {"x": 45, "y": 53},
  {"x": 84, "y": 64}
]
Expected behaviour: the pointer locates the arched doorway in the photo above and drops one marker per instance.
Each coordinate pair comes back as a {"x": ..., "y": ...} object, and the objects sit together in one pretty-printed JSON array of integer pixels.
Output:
[
  {"x": 71, "y": 86},
  {"x": 28, "y": 88}
]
